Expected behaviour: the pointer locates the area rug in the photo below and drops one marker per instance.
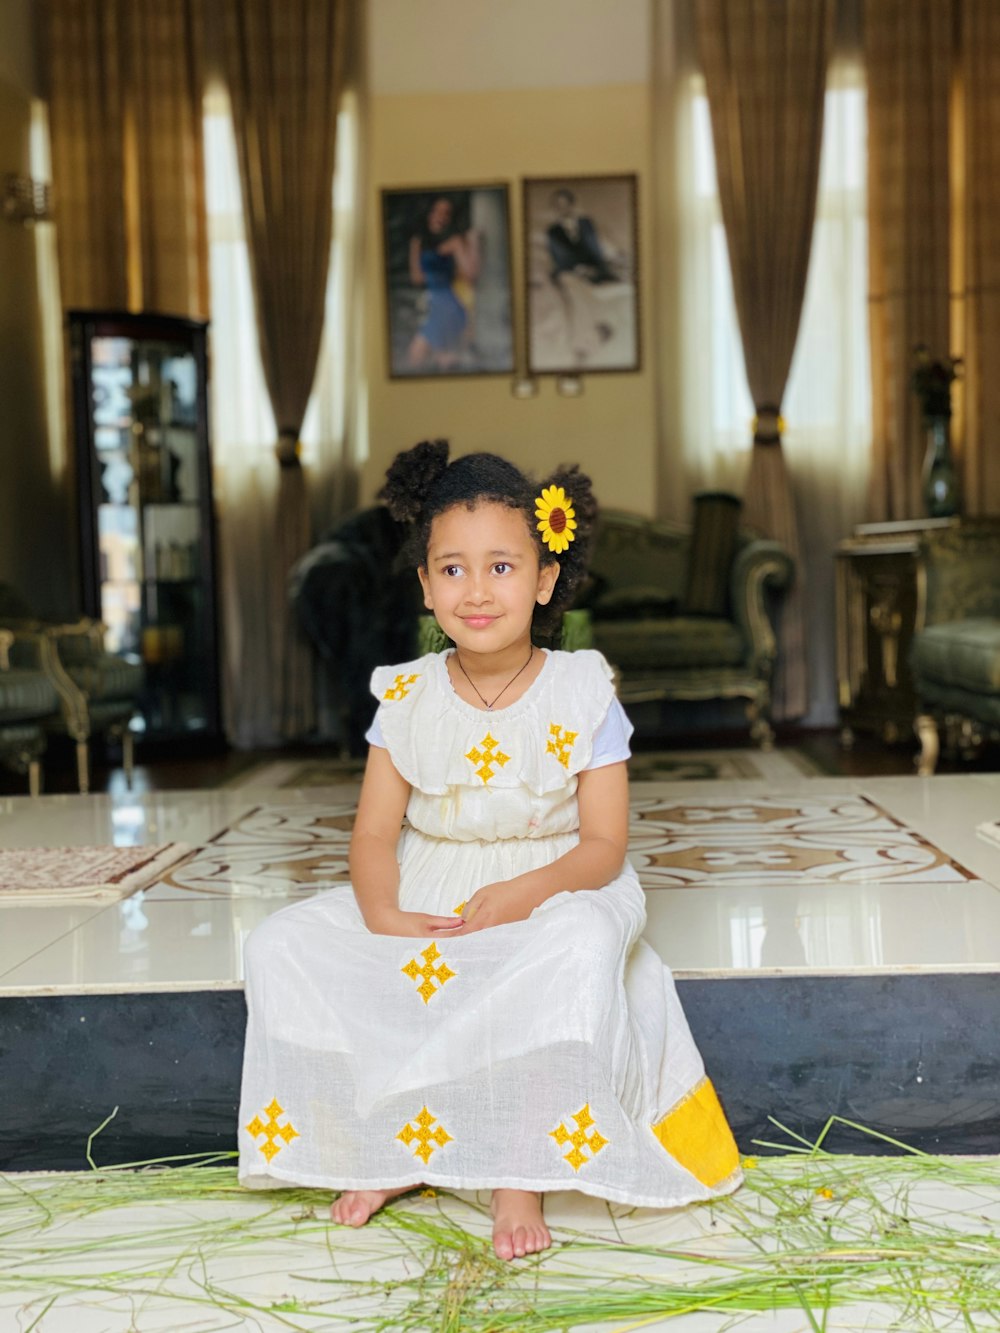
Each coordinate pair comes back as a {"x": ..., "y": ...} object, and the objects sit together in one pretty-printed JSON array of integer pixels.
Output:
[
  {"x": 56, "y": 874},
  {"x": 787, "y": 765}
]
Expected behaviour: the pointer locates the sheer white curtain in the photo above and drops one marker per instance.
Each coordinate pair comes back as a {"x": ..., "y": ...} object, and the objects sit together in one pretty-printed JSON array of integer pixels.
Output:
[
  {"x": 243, "y": 428},
  {"x": 827, "y": 441}
]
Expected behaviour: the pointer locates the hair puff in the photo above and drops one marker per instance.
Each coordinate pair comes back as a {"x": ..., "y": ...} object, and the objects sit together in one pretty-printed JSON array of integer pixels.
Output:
[{"x": 411, "y": 477}]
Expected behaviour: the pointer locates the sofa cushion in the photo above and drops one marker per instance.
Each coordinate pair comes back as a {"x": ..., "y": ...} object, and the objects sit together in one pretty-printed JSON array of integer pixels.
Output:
[
  {"x": 643, "y": 602},
  {"x": 683, "y": 641},
  {"x": 109, "y": 677},
  {"x": 713, "y": 545},
  {"x": 26, "y": 694},
  {"x": 964, "y": 653}
]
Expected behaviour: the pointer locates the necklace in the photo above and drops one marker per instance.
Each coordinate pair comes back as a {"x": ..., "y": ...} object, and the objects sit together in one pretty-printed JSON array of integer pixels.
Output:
[{"x": 490, "y": 702}]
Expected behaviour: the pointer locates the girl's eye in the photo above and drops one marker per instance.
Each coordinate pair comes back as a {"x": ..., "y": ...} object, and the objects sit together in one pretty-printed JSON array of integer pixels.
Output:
[
  {"x": 451, "y": 570},
  {"x": 501, "y": 567}
]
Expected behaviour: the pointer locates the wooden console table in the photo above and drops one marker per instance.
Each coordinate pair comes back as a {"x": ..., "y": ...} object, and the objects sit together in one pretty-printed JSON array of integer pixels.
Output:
[{"x": 876, "y": 591}]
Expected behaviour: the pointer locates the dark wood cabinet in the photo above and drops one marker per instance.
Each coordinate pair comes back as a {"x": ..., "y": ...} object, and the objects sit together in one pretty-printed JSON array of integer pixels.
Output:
[{"x": 146, "y": 518}]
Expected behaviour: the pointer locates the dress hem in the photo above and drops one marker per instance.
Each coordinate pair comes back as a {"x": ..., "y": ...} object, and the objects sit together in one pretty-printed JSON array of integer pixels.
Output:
[{"x": 274, "y": 1179}]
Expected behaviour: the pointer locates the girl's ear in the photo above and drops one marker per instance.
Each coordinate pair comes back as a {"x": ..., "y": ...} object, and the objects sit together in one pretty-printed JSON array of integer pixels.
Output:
[
  {"x": 547, "y": 575},
  {"x": 425, "y": 583}
]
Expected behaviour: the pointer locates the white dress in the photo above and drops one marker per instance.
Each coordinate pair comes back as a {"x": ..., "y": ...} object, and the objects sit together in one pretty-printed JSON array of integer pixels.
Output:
[{"x": 551, "y": 1053}]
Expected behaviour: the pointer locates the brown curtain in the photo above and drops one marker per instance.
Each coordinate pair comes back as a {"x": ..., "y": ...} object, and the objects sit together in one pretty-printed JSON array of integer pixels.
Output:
[
  {"x": 125, "y": 87},
  {"x": 908, "y": 52},
  {"x": 765, "y": 64},
  {"x": 979, "y": 172},
  {"x": 285, "y": 68}
]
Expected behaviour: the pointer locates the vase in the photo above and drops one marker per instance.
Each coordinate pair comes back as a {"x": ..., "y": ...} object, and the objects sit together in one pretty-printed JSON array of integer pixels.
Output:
[{"x": 940, "y": 479}]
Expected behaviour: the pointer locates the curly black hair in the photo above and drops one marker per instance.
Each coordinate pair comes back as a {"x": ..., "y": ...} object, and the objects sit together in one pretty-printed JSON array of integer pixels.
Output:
[{"x": 421, "y": 483}]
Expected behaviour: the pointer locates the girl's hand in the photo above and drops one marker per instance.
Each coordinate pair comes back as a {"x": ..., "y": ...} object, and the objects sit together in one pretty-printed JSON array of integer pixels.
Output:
[
  {"x": 497, "y": 905},
  {"x": 416, "y": 925}
]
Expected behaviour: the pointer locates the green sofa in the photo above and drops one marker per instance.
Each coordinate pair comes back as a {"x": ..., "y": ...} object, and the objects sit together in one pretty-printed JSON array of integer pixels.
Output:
[
  {"x": 28, "y": 704},
  {"x": 955, "y": 652},
  {"x": 96, "y": 692},
  {"x": 640, "y": 587}
]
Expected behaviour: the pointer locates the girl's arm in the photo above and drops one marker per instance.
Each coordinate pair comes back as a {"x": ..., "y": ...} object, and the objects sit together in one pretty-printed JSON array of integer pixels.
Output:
[
  {"x": 416, "y": 272},
  {"x": 596, "y": 860},
  {"x": 372, "y": 856}
]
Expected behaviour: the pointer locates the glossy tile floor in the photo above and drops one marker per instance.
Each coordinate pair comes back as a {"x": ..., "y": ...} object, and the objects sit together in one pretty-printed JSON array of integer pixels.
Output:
[
  {"x": 841, "y": 875},
  {"x": 836, "y": 875}
]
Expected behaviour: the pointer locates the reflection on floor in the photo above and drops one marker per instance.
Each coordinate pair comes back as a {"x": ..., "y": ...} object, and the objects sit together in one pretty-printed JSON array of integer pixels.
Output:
[{"x": 833, "y": 873}]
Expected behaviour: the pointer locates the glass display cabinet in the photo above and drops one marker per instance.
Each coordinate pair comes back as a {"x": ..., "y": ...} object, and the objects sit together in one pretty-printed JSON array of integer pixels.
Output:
[{"x": 140, "y": 396}]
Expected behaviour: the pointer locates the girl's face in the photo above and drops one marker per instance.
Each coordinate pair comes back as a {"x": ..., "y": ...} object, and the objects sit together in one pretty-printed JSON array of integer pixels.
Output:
[{"x": 483, "y": 577}]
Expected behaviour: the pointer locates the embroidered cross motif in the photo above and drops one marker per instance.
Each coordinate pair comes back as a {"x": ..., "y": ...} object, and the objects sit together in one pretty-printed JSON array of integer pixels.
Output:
[
  {"x": 429, "y": 972},
  {"x": 272, "y": 1130},
  {"x": 457, "y": 911},
  {"x": 400, "y": 687},
  {"x": 489, "y": 755},
  {"x": 581, "y": 1143},
  {"x": 561, "y": 743},
  {"x": 423, "y": 1136}
]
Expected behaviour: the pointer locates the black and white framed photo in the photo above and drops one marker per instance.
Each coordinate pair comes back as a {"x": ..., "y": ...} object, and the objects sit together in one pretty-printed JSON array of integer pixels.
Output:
[
  {"x": 448, "y": 281},
  {"x": 581, "y": 262}
]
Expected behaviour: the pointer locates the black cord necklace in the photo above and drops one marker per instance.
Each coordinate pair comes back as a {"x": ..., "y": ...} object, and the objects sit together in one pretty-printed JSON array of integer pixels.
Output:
[{"x": 488, "y": 703}]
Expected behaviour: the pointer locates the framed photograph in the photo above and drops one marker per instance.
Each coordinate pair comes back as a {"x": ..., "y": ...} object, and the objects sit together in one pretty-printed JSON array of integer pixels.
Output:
[
  {"x": 581, "y": 263},
  {"x": 448, "y": 281}
]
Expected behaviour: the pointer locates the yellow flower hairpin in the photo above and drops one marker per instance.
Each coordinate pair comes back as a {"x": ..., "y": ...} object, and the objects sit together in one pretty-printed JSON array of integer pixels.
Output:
[{"x": 557, "y": 518}]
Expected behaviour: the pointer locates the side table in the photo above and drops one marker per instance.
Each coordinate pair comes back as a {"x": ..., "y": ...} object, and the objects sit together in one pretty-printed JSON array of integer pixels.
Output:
[{"x": 877, "y": 610}]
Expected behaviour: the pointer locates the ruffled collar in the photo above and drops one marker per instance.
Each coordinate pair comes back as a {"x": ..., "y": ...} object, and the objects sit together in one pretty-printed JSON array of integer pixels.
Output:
[{"x": 439, "y": 668}]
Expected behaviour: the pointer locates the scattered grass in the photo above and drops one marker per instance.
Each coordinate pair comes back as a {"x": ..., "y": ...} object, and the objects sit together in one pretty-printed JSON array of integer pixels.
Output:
[{"x": 809, "y": 1231}]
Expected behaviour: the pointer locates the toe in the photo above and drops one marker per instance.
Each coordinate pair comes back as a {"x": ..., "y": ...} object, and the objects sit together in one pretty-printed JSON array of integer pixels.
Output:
[
  {"x": 503, "y": 1245},
  {"x": 520, "y": 1241}
]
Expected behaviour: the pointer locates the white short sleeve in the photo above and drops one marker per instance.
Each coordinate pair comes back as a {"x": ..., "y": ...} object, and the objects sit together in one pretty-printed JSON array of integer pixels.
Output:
[
  {"x": 374, "y": 733},
  {"x": 611, "y": 741}
]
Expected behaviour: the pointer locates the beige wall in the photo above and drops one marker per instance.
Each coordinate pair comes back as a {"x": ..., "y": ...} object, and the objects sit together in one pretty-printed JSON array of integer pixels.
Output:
[
  {"x": 36, "y": 547},
  {"x": 466, "y": 91}
]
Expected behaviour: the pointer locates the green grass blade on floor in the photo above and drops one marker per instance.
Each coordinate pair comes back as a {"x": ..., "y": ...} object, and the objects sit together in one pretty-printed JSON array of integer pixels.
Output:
[{"x": 914, "y": 1238}]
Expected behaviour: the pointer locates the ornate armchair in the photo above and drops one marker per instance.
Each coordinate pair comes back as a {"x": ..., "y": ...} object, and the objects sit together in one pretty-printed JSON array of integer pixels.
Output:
[
  {"x": 97, "y": 692},
  {"x": 640, "y": 599},
  {"x": 955, "y": 653},
  {"x": 28, "y": 703}
]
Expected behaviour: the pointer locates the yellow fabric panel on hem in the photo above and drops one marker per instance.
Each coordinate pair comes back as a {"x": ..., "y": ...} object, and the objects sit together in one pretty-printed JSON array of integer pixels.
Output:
[{"x": 698, "y": 1136}]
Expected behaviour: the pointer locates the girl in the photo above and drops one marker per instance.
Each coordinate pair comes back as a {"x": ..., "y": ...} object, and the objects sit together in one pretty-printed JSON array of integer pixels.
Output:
[{"x": 481, "y": 1012}]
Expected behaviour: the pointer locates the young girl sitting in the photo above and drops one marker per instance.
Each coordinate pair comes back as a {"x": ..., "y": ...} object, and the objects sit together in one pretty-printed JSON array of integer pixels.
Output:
[{"x": 479, "y": 1012}]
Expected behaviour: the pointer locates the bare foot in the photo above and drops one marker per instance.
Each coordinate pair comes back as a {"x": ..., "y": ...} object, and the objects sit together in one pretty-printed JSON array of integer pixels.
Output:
[
  {"x": 355, "y": 1207},
  {"x": 518, "y": 1225}
]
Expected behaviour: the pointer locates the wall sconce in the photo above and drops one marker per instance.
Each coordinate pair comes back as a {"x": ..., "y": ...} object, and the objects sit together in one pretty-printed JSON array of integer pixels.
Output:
[
  {"x": 524, "y": 387},
  {"x": 25, "y": 200},
  {"x": 570, "y": 386}
]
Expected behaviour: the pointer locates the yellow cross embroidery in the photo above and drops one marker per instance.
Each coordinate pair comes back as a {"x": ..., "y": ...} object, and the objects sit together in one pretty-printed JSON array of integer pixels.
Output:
[
  {"x": 561, "y": 743},
  {"x": 577, "y": 1156},
  {"x": 272, "y": 1130},
  {"x": 400, "y": 687},
  {"x": 423, "y": 1135},
  {"x": 429, "y": 972},
  {"x": 457, "y": 911},
  {"x": 486, "y": 757}
]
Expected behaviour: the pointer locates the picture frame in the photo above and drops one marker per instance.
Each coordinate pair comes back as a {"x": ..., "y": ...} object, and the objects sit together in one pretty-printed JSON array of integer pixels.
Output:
[
  {"x": 448, "y": 285},
  {"x": 581, "y": 274}
]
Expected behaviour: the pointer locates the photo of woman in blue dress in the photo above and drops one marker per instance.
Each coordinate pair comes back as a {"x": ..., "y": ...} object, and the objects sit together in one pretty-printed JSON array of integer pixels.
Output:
[{"x": 448, "y": 281}]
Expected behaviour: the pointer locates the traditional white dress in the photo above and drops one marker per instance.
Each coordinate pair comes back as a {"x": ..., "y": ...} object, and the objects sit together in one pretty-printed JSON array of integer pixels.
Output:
[{"x": 551, "y": 1053}]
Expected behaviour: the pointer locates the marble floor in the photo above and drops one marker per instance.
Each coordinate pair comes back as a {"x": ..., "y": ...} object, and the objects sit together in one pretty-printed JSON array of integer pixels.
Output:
[
  {"x": 811, "y": 876},
  {"x": 838, "y": 875}
]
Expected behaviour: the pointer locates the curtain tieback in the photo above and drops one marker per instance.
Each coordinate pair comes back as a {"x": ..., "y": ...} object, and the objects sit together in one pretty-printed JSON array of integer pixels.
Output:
[
  {"x": 768, "y": 424},
  {"x": 288, "y": 450}
]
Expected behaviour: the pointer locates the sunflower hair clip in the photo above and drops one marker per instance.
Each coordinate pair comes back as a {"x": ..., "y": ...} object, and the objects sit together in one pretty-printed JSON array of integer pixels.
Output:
[{"x": 557, "y": 518}]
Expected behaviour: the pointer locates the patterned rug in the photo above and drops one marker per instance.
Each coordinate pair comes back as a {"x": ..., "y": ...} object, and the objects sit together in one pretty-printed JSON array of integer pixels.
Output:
[
  {"x": 37, "y": 874},
  {"x": 293, "y": 851},
  {"x": 646, "y": 766}
]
